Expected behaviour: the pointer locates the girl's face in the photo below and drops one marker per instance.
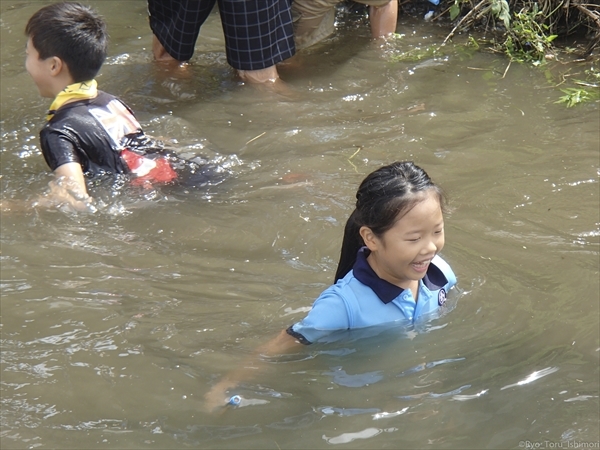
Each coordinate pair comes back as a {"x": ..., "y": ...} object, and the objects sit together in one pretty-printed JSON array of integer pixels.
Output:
[{"x": 402, "y": 254}]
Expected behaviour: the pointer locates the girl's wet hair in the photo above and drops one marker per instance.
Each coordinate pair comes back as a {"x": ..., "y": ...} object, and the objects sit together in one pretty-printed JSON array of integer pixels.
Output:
[
  {"x": 383, "y": 198},
  {"x": 72, "y": 32}
]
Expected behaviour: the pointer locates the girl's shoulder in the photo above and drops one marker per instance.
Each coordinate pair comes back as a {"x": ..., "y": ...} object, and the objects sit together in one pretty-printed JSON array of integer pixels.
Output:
[
  {"x": 339, "y": 296},
  {"x": 348, "y": 290}
]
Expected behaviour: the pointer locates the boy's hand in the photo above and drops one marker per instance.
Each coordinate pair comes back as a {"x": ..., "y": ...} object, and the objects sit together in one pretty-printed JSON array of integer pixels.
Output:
[
  {"x": 14, "y": 206},
  {"x": 59, "y": 195},
  {"x": 68, "y": 189},
  {"x": 65, "y": 192}
]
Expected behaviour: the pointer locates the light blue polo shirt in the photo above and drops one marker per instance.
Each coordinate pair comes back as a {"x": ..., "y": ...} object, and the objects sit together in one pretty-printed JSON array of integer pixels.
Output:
[{"x": 362, "y": 299}]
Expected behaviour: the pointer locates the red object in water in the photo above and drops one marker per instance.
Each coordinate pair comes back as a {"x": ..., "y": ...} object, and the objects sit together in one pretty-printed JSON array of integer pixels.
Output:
[{"x": 148, "y": 170}]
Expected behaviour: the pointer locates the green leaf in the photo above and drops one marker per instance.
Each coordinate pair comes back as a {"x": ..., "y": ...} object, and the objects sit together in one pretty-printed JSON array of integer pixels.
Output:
[
  {"x": 574, "y": 96},
  {"x": 501, "y": 10},
  {"x": 454, "y": 11}
]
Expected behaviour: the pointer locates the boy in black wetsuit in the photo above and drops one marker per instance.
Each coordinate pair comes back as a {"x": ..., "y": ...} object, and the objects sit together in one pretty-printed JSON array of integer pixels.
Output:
[{"x": 89, "y": 132}]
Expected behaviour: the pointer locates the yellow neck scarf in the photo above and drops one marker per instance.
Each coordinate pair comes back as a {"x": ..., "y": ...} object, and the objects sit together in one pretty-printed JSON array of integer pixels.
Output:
[{"x": 75, "y": 91}]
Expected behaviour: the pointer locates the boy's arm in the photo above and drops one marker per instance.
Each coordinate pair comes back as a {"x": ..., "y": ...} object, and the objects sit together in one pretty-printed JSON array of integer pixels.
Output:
[
  {"x": 59, "y": 149},
  {"x": 69, "y": 188},
  {"x": 72, "y": 172},
  {"x": 282, "y": 343}
]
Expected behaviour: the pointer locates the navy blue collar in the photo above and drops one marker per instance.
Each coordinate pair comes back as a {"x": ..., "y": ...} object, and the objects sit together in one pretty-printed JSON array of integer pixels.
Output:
[{"x": 434, "y": 278}]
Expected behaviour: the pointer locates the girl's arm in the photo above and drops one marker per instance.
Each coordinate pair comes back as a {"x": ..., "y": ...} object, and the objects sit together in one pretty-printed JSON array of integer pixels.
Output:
[{"x": 282, "y": 343}]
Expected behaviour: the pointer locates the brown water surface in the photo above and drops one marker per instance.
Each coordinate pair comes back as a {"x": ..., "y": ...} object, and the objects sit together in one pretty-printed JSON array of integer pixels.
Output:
[{"x": 115, "y": 324}]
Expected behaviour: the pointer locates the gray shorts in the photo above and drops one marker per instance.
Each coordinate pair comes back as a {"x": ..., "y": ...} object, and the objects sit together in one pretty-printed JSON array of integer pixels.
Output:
[{"x": 314, "y": 20}]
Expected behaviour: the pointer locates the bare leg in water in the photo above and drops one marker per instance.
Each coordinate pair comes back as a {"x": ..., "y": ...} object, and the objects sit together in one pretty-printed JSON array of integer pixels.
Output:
[
  {"x": 267, "y": 77},
  {"x": 383, "y": 19}
]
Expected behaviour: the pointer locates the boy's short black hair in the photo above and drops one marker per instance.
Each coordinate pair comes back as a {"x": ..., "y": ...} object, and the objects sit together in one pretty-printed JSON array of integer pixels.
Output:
[{"x": 72, "y": 32}]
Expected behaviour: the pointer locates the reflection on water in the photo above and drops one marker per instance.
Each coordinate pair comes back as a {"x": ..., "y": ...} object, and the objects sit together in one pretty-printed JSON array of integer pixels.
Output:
[{"x": 115, "y": 324}]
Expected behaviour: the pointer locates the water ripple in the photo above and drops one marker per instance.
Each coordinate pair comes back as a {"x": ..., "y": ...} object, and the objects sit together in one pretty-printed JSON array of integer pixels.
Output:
[{"x": 532, "y": 377}]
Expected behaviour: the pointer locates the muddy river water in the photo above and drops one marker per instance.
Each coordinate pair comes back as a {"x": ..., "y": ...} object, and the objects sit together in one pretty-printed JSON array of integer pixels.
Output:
[{"x": 115, "y": 324}]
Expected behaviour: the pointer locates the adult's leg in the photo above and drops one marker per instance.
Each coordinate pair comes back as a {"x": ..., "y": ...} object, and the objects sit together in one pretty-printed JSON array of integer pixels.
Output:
[
  {"x": 266, "y": 75},
  {"x": 314, "y": 19},
  {"x": 258, "y": 35},
  {"x": 176, "y": 25},
  {"x": 383, "y": 19},
  {"x": 159, "y": 52}
]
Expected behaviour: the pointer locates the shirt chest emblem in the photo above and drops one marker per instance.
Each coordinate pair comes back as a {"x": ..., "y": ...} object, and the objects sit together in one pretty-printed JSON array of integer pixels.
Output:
[{"x": 441, "y": 297}]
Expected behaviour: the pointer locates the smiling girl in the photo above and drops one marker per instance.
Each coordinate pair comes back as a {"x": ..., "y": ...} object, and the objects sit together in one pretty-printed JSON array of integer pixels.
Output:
[{"x": 389, "y": 269}]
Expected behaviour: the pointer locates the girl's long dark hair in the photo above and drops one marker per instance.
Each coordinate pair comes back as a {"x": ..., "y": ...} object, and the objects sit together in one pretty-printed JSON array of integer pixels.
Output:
[{"x": 384, "y": 195}]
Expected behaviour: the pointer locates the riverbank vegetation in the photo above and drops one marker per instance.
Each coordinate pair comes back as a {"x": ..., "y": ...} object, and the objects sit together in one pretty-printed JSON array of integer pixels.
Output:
[
  {"x": 527, "y": 30},
  {"x": 536, "y": 32}
]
